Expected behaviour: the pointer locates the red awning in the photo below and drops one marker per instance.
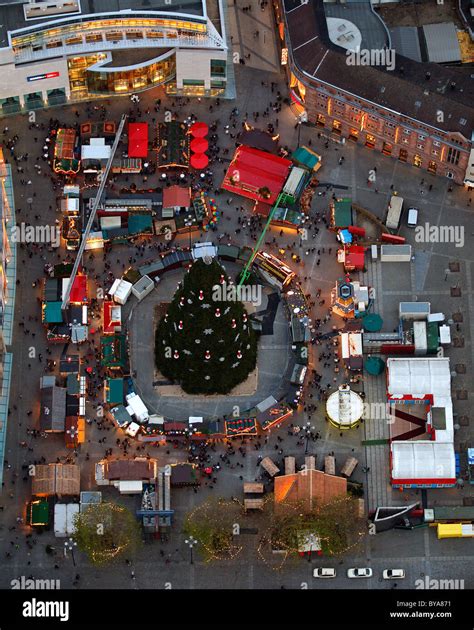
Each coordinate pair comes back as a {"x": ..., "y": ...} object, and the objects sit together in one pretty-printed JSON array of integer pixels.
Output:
[
  {"x": 199, "y": 145},
  {"x": 199, "y": 129},
  {"x": 79, "y": 290},
  {"x": 137, "y": 140},
  {"x": 199, "y": 161}
]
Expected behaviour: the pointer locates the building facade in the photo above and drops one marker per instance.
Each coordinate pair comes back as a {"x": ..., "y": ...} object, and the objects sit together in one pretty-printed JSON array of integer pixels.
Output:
[
  {"x": 7, "y": 295},
  {"x": 76, "y": 50},
  {"x": 418, "y": 113}
]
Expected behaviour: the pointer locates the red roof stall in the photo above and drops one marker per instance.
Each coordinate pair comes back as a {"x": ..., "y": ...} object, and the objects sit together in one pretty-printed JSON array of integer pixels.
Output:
[
  {"x": 112, "y": 317},
  {"x": 256, "y": 174},
  {"x": 137, "y": 140},
  {"x": 353, "y": 257},
  {"x": 176, "y": 196},
  {"x": 79, "y": 290}
]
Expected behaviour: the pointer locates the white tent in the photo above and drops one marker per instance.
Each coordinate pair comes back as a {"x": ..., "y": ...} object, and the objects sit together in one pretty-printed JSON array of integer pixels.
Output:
[
  {"x": 423, "y": 462},
  {"x": 418, "y": 377},
  {"x": 120, "y": 291},
  {"x": 136, "y": 407}
]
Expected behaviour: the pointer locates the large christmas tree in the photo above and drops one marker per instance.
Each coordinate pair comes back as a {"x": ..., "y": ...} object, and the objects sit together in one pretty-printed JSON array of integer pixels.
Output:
[{"x": 205, "y": 341}]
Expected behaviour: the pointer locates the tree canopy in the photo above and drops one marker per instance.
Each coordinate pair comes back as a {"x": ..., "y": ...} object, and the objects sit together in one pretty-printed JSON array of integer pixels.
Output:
[{"x": 205, "y": 341}]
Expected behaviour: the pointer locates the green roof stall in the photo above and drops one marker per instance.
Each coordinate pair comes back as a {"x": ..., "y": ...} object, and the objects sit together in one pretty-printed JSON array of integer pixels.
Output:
[
  {"x": 140, "y": 224},
  {"x": 114, "y": 391},
  {"x": 37, "y": 513},
  {"x": 114, "y": 351},
  {"x": 341, "y": 213},
  {"x": 52, "y": 313},
  {"x": 305, "y": 157}
]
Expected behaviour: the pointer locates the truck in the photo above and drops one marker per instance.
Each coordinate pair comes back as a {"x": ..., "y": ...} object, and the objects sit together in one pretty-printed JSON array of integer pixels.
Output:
[{"x": 394, "y": 213}]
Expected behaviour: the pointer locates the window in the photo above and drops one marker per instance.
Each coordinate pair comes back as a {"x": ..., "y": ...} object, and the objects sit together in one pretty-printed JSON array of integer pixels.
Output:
[
  {"x": 218, "y": 68},
  {"x": 417, "y": 160},
  {"x": 436, "y": 143},
  {"x": 193, "y": 82},
  {"x": 403, "y": 156},
  {"x": 453, "y": 156},
  {"x": 407, "y": 132},
  {"x": 421, "y": 146},
  {"x": 370, "y": 141},
  {"x": 421, "y": 137}
]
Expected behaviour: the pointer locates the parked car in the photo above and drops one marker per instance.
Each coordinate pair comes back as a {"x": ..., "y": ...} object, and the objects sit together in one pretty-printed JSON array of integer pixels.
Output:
[
  {"x": 359, "y": 573},
  {"x": 412, "y": 220},
  {"x": 393, "y": 574},
  {"x": 321, "y": 572}
]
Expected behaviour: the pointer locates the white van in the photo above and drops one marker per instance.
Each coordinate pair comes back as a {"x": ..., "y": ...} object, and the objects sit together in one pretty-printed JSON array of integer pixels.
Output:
[{"x": 412, "y": 220}]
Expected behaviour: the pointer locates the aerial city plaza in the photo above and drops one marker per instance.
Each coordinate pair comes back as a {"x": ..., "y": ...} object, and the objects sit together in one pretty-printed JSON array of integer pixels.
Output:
[{"x": 237, "y": 295}]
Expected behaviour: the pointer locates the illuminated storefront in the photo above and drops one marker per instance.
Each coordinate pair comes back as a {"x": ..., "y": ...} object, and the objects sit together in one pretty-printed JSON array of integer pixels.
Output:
[{"x": 101, "y": 80}]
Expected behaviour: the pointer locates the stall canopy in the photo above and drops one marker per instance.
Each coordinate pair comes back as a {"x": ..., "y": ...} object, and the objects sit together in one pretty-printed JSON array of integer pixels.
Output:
[
  {"x": 78, "y": 293},
  {"x": 374, "y": 366},
  {"x": 199, "y": 130},
  {"x": 372, "y": 322},
  {"x": 199, "y": 161},
  {"x": 256, "y": 174},
  {"x": 52, "y": 313},
  {"x": 199, "y": 145},
  {"x": 137, "y": 140}
]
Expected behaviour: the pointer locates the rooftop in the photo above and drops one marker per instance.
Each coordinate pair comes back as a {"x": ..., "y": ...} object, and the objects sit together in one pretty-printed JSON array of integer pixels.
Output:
[
  {"x": 405, "y": 90},
  {"x": 308, "y": 487}
]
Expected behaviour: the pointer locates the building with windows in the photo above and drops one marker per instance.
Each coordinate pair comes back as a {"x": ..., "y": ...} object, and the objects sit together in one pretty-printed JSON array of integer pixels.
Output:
[
  {"x": 63, "y": 51},
  {"x": 418, "y": 113},
  {"x": 7, "y": 295}
]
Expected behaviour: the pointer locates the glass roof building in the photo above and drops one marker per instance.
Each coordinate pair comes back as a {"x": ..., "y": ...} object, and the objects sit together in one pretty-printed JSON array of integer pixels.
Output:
[{"x": 74, "y": 50}]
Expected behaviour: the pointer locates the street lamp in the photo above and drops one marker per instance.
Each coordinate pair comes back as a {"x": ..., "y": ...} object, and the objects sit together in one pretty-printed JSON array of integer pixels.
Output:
[
  {"x": 308, "y": 428},
  {"x": 189, "y": 224},
  {"x": 191, "y": 541},
  {"x": 69, "y": 546},
  {"x": 73, "y": 432}
]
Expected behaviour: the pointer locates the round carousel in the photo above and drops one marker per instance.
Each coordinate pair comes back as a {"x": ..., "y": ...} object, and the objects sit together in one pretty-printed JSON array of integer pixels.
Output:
[{"x": 344, "y": 408}]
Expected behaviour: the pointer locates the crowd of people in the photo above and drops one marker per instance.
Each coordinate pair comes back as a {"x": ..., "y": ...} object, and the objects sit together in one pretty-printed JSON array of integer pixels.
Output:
[{"x": 102, "y": 437}]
